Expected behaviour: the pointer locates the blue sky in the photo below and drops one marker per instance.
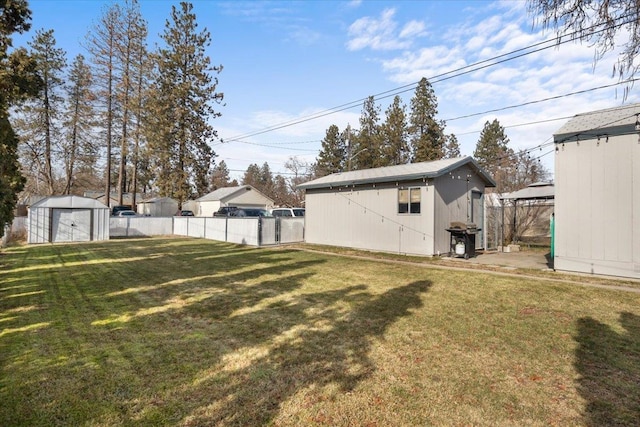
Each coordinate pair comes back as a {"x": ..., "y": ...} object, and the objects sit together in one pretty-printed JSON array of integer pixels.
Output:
[{"x": 286, "y": 62}]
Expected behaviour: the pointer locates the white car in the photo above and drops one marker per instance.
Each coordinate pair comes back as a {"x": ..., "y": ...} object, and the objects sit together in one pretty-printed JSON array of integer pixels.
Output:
[
  {"x": 290, "y": 212},
  {"x": 127, "y": 213}
]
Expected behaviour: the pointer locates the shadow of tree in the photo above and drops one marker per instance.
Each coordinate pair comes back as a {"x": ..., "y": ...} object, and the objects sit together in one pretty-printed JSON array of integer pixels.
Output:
[
  {"x": 222, "y": 340},
  {"x": 609, "y": 366},
  {"x": 332, "y": 348}
]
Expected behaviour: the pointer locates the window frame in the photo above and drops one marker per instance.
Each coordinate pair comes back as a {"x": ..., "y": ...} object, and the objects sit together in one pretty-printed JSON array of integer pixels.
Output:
[{"x": 407, "y": 206}]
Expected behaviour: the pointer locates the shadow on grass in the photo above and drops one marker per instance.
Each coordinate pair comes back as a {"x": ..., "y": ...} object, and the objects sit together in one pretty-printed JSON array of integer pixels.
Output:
[
  {"x": 331, "y": 348},
  {"x": 182, "y": 332},
  {"x": 609, "y": 366}
]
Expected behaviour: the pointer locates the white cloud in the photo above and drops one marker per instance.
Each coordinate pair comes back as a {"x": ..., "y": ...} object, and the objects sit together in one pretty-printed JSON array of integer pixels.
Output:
[
  {"x": 381, "y": 33},
  {"x": 412, "y": 29}
]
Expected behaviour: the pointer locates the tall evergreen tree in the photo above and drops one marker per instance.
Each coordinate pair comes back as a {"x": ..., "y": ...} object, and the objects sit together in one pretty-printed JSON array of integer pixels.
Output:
[
  {"x": 102, "y": 45},
  {"x": 18, "y": 79},
  {"x": 80, "y": 152},
  {"x": 492, "y": 152},
  {"x": 182, "y": 106},
  {"x": 220, "y": 176},
  {"x": 365, "y": 153},
  {"x": 451, "y": 147},
  {"x": 40, "y": 118},
  {"x": 395, "y": 150},
  {"x": 426, "y": 133},
  {"x": 252, "y": 176},
  {"x": 140, "y": 75},
  {"x": 332, "y": 156},
  {"x": 130, "y": 47}
]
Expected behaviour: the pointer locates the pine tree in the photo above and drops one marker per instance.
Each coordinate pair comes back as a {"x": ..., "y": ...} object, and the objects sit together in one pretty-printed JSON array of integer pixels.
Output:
[
  {"x": 130, "y": 47},
  {"x": 79, "y": 149},
  {"x": 365, "y": 153},
  {"x": 395, "y": 150},
  {"x": 140, "y": 75},
  {"x": 451, "y": 147},
  {"x": 102, "y": 45},
  {"x": 18, "y": 80},
  {"x": 40, "y": 118},
  {"x": 220, "y": 176},
  {"x": 252, "y": 176},
  {"x": 181, "y": 107},
  {"x": 493, "y": 153},
  {"x": 331, "y": 158},
  {"x": 426, "y": 134}
]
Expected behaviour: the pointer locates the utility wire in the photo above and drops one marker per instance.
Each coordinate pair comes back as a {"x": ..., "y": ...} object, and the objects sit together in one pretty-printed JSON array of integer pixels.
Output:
[{"x": 437, "y": 78}]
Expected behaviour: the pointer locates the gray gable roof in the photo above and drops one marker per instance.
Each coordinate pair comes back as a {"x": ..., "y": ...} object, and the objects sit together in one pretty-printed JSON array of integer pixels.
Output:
[
  {"x": 601, "y": 123},
  {"x": 223, "y": 193},
  {"x": 408, "y": 172}
]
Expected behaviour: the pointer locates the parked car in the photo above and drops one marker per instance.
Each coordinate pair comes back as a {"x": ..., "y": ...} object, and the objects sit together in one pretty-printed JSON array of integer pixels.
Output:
[
  {"x": 289, "y": 212},
  {"x": 119, "y": 208},
  {"x": 185, "y": 212},
  {"x": 226, "y": 211},
  {"x": 251, "y": 213},
  {"x": 127, "y": 213}
]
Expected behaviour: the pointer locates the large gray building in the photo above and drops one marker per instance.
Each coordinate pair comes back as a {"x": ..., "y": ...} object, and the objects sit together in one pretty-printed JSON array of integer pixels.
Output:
[
  {"x": 403, "y": 209},
  {"x": 597, "y": 185}
]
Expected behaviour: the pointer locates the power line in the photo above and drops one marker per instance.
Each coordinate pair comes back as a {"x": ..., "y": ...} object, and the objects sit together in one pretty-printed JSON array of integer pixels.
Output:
[
  {"x": 551, "y": 98},
  {"x": 527, "y": 50}
]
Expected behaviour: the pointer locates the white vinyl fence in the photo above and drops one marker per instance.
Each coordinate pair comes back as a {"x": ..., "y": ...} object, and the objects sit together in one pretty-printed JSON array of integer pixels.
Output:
[
  {"x": 246, "y": 231},
  {"x": 140, "y": 226}
]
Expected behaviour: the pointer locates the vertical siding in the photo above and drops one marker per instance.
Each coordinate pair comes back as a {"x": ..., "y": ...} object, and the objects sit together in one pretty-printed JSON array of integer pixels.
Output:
[
  {"x": 597, "y": 206},
  {"x": 38, "y": 225},
  {"x": 452, "y": 202},
  {"x": 367, "y": 218}
]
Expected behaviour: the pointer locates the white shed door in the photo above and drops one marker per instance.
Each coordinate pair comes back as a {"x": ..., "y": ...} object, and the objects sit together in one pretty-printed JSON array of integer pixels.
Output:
[{"x": 71, "y": 225}]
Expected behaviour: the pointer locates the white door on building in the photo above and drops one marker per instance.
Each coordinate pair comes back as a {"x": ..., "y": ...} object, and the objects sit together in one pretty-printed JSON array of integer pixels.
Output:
[{"x": 71, "y": 225}]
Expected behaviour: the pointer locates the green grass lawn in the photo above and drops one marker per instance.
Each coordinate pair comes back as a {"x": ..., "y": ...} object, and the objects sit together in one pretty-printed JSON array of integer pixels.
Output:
[{"x": 201, "y": 333}]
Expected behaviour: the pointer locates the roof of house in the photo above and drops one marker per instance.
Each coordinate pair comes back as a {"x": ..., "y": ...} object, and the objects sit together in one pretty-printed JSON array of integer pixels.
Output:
[
  {"x": 227, "y": 193},
  {"x": 601, "y": 123},
  {"x": 72, "y": 202},
  {"x": 159, "y": 200},
  {"x": 535, "y": 191},
  {"x": 408, "y": 172}
]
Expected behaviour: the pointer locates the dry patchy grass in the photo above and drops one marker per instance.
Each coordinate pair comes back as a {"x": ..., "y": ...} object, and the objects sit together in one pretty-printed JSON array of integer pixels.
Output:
[{"x": 192, "y": 332}]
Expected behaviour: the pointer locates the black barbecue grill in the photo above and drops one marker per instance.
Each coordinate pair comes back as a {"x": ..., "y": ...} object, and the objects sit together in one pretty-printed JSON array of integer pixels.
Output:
[{"x": 463, "y": 239}]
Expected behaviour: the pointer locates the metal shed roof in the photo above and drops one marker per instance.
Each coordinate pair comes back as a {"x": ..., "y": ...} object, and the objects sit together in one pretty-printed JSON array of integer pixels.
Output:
[
  {"x": 601, "y": 123},
  {"x": 69, "y": 202},
  {"x": 411, "y": 171},
  {"x": 536, "y": 191}
]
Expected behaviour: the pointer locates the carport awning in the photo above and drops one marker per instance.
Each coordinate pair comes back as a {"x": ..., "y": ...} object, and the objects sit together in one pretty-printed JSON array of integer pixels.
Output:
[{"x": 538, "y": 191}]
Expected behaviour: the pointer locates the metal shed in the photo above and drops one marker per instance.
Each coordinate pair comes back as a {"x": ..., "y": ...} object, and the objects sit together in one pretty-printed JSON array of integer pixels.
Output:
[
  {"x": 403, "y": 209},
  {"x": 597, "y": 181},
  {"x": 67, "y": 219}
]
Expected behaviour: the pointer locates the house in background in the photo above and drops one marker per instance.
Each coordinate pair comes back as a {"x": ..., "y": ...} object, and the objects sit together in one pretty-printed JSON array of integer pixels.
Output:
[
  {"x": 403, "y": 209},
  {"x": 244, "y": 196},
  {"x": 67, "y": 219},
  {"x": 158, "y": 206},
  {"x": 597, "y": 185}
]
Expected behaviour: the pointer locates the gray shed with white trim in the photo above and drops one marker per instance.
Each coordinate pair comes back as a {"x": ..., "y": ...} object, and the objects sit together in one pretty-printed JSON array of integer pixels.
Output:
[
  {"x": 67, "y": 219},
  {"x": 404, "y": 209}
]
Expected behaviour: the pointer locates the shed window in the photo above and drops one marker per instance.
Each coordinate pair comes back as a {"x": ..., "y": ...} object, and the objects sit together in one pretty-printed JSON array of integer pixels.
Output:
[{"x": 409, "y": 201}]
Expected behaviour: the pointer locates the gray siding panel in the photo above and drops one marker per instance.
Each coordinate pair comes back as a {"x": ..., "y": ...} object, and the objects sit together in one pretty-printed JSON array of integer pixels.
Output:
[
  {"x": 367, "y": 218},
  {"x": 598, "y": 207}
]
